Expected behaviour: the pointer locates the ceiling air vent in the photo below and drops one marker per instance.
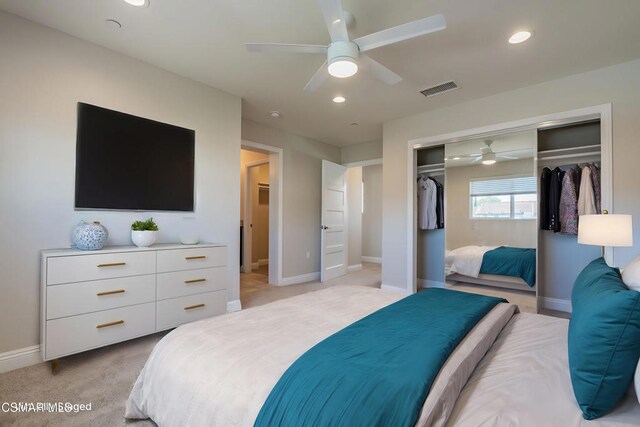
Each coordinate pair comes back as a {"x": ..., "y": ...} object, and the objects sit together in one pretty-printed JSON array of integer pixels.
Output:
[{"x": 438, "y": 89}]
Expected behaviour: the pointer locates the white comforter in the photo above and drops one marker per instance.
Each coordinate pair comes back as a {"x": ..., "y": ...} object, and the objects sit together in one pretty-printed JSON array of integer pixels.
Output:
[
  {"x": 523, "y": 381},
  {"x": 466, "y": 260},
  {"x": 219, "y": 371}
]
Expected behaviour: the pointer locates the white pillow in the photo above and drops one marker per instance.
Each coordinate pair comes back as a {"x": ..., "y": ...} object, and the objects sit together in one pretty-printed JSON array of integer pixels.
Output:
[{"x": 631, "y": 274}]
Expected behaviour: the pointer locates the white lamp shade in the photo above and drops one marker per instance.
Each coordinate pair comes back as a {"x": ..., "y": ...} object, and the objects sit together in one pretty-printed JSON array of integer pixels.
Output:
[{"x": 605, "y": 230}]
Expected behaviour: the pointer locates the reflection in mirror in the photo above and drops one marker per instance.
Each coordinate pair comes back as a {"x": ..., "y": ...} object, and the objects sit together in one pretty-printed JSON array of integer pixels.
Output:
[{"x": 491, "y": 208}]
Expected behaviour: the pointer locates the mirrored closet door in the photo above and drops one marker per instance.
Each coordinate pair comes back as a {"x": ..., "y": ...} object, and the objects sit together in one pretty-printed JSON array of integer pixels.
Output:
[{"x": 491, "y": 209}]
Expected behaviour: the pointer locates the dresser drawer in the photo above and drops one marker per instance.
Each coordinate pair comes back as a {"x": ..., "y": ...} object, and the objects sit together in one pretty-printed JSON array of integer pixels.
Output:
[
  {"x": 189, "y": 282},
  {"x": 72, "y": 299},
  {"x": 78, "y": 333},
  {"x": 68, "y": 269},
  {"x": 176, "y": 311},
  {"x": 192, "y": 258}
]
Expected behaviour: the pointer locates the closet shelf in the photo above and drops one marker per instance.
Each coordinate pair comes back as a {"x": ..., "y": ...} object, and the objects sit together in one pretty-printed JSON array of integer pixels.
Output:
[
  {"x": 436, "y": 167},
  {"x": 580, "y": 152}
]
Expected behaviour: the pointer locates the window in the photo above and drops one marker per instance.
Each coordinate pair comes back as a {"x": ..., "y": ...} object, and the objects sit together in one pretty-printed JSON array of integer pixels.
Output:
[{"x": 503, "y": 198}]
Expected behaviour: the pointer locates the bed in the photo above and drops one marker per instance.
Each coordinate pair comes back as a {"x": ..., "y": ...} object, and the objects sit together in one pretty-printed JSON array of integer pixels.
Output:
[
  {"x": 220, "y": 371},
  {"x": 499, "y": 266}
]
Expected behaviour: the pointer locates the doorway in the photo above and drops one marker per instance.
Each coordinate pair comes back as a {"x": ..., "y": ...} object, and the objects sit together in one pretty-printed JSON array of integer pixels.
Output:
[
  {"x": 364, "y": 202},
  {"x": 261, "y": 213}
]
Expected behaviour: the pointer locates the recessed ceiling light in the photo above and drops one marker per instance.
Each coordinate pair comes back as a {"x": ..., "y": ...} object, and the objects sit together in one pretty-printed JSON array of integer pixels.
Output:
[
  {"x": 274, "y": 114},
  {"x": 339, "y": 99},
  {"x": 138, "y": 3},
  {"x": 519, "y": 37},
  {"x": 113, "y": 24}
]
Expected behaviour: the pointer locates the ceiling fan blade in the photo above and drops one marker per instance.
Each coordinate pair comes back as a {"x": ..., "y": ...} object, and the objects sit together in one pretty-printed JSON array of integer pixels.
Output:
[
  {"x": 378, "y": 70},
  {"x": 318, "y": 78},
  {"x": 285, "y": 48},
  {"x": 334, "y": 19},
  {"x": 401, "y": 32},
  {"x": 508, "y": 157}
]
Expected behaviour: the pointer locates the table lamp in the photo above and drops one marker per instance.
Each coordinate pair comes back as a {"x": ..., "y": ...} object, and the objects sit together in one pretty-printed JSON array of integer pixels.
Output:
[{"x": 605, "y": 230}]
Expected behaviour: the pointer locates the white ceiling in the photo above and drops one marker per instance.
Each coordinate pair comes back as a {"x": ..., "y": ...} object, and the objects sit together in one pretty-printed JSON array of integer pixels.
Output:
[{"x": 204, "y": 40}]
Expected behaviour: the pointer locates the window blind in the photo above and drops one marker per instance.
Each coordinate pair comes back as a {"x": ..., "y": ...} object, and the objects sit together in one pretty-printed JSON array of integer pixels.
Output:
[{"x": 504, "y": 186}]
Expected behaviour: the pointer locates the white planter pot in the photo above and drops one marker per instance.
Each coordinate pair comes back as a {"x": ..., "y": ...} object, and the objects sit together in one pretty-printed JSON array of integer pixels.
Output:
[{"x": 143, "y": 239}]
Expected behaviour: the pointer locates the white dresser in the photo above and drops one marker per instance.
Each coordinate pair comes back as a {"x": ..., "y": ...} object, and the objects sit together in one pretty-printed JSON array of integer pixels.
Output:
[{"x": 95, "y": 298}]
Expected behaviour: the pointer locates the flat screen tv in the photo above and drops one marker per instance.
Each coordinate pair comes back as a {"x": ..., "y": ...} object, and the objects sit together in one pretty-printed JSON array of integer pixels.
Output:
[{"x": 124, "y": 162}]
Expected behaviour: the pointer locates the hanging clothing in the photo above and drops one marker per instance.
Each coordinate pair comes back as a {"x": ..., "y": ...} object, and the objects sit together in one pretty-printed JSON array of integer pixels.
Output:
[
  {"x": 555, "y": 191},
  {"x": 545, "y": 180},
  {"x": 439, "y": 203},
  {"x": 427, "y": 200},
  {"x": 587, "y": 198},
  {"x": 595, "y": 182},
  {"x": 568, "y": 209},
  {"x": 576, "y": 180}
]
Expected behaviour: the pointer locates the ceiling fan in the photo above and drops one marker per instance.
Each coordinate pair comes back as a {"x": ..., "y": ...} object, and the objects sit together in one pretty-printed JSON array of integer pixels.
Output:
[
  {"x": 344, "y": 56},
  {"x": 487, "y": 155}
]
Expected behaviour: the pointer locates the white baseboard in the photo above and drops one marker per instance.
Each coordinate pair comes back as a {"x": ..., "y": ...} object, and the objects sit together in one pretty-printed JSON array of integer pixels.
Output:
[
  {"x": 426, "y": 283},
  {"x": 234, "y": 305},
  {"x": 394, "y": 289},
  {"x": 356, "y": 267},
  {"x": 20, "y": 358},
  {"x": 556, "y": 304},
  {"x": 303, "y": 278},
  {"x": 373, "y": 259},
  {"x": 262, "y": 262}
]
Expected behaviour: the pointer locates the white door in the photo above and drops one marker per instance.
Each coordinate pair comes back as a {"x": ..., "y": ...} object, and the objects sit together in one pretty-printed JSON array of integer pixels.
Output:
[{"x": 333, "y": 259}]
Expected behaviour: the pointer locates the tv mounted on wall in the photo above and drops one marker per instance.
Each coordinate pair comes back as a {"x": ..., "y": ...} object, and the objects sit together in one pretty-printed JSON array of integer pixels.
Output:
[{"x": 125, "y": 162}]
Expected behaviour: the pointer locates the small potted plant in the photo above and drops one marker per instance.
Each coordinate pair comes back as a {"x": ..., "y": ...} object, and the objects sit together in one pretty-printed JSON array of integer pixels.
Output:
[{"x": 144, "y": 233}]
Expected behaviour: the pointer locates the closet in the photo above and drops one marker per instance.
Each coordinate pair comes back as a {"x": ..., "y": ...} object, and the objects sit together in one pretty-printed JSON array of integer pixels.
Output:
[
  {"x": 560, "y": 257},
  {"x": 430, "y": 242}
]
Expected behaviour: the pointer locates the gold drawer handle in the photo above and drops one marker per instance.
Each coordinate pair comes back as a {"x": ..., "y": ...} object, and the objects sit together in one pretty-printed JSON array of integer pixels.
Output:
[
  {"x": 113, "y": 264},
  {"x": 118, "y": 291},
  {"x": 104, "y": 325},
  {"x": 188, "y": 258},
  {"x": 188, "y": 282},
  {"x": 191, "y": 307}
]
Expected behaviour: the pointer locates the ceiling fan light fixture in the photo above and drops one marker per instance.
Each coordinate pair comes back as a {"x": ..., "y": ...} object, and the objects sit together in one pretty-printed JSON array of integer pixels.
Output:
[
  {"x": 343, "y": 68},
  {"x": 342, "y": 58},
  {"x": 488, "y": 159},
  {"x": 138, "y": 3},
  {"x": 339, "y": 99}
]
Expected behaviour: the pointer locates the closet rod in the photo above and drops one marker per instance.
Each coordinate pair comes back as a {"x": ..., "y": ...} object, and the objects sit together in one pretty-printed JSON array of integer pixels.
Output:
[{"x": 564, "y": 150}]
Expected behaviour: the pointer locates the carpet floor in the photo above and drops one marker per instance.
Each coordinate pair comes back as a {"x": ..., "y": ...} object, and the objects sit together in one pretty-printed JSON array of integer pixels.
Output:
[{"x": 104, "y": 377}]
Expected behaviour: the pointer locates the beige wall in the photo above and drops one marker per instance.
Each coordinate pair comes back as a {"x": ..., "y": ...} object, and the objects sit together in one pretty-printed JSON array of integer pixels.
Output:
[
  {"x": 520, "y": 233},
  {"x": 302, "y": 164},
  {"x": 43, "y": 75},
  {"x": 259, "y": 213},
  {"x": 617, "y": 85},
  {"x": 372, "y": 216},
  {"x": 361, "y": 152},
  {"x": 354, "y": 214}
]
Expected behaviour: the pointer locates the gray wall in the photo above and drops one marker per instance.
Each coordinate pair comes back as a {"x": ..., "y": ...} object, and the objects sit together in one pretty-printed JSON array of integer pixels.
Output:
[
  {"x": 43, "y": 74},
  {"x": 372, "y": 216},
  {"x": 301, "y": 199},
  {"x": 617, "y": 85},
  {"x": 354, "y": 214},
  {"x": 360, "y": 152}
]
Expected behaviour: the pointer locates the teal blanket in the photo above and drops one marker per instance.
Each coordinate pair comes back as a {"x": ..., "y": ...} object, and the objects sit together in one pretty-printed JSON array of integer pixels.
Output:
[
  {"x": 378, "y": 370},
  {"x": 506, "y": 261}
]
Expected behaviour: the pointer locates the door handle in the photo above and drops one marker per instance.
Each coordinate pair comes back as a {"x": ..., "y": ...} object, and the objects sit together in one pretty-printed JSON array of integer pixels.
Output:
[{"x": 324, "y": 227}]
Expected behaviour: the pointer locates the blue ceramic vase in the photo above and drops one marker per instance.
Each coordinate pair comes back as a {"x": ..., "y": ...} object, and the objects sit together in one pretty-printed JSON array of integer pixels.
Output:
[{"x": 89, "y": 236}]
